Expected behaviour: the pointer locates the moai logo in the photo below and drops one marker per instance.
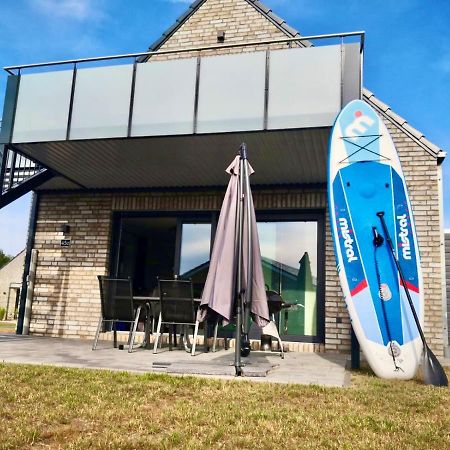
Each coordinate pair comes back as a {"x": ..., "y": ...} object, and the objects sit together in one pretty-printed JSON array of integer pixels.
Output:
[{"x": 359, "y": 126}]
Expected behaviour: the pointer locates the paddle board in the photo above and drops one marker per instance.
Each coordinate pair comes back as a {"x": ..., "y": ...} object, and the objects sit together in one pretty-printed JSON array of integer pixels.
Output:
[{"x": 364, "y": 178}]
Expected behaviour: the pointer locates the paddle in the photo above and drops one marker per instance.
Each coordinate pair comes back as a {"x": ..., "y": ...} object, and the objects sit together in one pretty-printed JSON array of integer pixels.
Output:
[{"x": 433, "y": 373}]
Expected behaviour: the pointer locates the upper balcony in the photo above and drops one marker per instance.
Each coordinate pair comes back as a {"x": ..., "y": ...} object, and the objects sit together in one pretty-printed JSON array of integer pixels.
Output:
[{"x": 178, "y": 122}]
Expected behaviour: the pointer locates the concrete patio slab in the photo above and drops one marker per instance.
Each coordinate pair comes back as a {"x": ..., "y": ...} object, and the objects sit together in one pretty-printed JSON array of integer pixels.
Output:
[{"x": 298, "y": 368}]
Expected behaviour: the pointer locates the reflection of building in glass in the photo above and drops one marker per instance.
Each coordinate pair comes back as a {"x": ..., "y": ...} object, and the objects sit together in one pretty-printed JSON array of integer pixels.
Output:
[
  {"x": 297, "y": 286},
  {"x": 198, "y": 275},
  {"x": 307, "y": 287}
]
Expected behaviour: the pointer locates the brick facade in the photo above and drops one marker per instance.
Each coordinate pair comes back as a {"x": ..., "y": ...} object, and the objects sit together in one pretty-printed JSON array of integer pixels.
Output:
[
  {"x": 66, "y": 301},
  {"x": 240, "y": 21},
  {"x": 447, "y": 272}
]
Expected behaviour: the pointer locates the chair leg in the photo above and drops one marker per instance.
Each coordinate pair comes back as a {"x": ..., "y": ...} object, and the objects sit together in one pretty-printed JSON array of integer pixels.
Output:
[
  {"x": 97, "y": 333},
  {"x": 147, "y": 329},
  {"x": 114, "y": 324},
  {"x": 158, "y": 334},
  {"x": 194, "y": 341},
  {"x": 170, "y": 337},
  {"x": 216, "y": 328},
  {"x": 280, "y": 343},
  {"x": 132, "y": 334}
]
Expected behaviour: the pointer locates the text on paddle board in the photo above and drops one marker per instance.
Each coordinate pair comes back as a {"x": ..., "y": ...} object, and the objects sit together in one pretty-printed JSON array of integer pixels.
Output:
[
  {"x": 403, "y": 235},
  {"x": 348, "y": 241}
]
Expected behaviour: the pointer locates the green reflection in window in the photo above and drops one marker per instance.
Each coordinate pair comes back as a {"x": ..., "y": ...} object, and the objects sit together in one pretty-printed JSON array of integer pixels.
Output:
[{"x": 289, "y": 260}]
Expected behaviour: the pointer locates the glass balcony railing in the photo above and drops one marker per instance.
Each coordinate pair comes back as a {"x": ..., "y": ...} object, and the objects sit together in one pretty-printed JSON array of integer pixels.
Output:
[{"x": 268, "y": 89}]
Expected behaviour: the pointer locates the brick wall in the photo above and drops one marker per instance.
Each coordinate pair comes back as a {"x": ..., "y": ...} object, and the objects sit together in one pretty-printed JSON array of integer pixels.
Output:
[
  {"x": 240, "y": 21},
  {"x": 421, "y": 173},
  {"x": 66, "y": 293},
  {"x": 447, "y": 271}
]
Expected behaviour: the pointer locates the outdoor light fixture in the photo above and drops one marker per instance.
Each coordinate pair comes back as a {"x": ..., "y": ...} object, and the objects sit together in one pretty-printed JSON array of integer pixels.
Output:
[
  {"x": 65, "y": 228},
  {"x": 221, "y": 36}
]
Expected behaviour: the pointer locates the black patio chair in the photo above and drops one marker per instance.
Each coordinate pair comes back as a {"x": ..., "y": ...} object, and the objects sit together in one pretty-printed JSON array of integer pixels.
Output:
[
  {"x": 116, "y": 297},
  {"x": 177, "y": 307}
]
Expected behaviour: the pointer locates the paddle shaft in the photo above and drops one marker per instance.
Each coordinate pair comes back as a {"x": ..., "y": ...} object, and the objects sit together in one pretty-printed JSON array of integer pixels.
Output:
[{"x": 402, "y": 278}]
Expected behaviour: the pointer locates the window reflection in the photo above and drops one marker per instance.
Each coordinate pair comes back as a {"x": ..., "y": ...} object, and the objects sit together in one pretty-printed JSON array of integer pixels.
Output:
[
  {"x": 289, "y": 259},
  {"x": 195, "y": 252}
]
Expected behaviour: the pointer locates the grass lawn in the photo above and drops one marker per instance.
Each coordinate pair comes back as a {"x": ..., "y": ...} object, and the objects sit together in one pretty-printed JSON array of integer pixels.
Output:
[
  {"x": 45, "y": 407},
  {"x": 7, "y": 327}
]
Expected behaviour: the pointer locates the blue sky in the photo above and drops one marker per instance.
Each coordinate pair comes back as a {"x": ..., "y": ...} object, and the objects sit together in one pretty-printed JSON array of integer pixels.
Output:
[{"x": 407, "y": 57}]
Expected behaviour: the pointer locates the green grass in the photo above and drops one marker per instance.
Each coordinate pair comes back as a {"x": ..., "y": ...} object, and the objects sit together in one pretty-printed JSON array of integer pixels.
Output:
[
  {"x": 7, "y": 327},
  {"x": 45, "y": 407}
]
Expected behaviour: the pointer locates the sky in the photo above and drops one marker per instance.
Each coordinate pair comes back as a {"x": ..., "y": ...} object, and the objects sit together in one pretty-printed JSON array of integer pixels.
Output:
[{"x": 406, "y": 61}]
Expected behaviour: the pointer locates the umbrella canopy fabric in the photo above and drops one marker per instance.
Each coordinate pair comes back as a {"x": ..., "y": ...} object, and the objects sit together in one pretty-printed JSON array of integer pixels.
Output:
[{"x": 220, "y": 287}]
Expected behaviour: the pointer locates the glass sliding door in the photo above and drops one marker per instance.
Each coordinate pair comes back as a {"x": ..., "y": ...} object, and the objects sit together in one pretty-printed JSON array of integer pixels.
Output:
[
  {"x": 148, "y": 246},
  {"x": 147, "y": 251},
  {"x": 289, "y": 252}
]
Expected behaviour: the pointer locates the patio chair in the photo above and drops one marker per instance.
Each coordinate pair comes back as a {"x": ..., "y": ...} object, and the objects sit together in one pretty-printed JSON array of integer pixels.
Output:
[
  {"x": 177, "y": 307},
  {"x": 116, "y": 297}
]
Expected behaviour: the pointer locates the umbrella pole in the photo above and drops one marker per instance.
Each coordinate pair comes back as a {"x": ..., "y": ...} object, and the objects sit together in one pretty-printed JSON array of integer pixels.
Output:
[
  {"x": 240, "y": 230},
  {"x": 249, "y": 276}
]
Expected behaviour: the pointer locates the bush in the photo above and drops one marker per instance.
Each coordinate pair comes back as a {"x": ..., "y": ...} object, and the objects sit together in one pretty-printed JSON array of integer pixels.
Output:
[{"x": 2, "y": 313}]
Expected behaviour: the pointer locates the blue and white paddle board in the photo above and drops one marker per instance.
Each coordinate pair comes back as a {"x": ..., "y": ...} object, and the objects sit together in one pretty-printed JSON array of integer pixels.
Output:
[{"x": 365, "y": 178}]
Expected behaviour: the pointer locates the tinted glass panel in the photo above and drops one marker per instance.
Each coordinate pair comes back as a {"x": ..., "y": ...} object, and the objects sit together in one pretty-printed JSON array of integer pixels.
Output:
[
  {"x": 289, "y": 258},
  {"x": 43, "y": 107},
  {"x": 195, "y": 251}
]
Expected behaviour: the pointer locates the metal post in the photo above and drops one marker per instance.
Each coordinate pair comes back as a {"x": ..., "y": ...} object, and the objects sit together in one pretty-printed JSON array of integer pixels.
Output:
[
  {"x": 30, "y": 292},
  {"x": 248, "y": 205},
  {"x": 30, "y": 243},
  {"x": 355, "y": 352},
  {"x": 11, "y": 169},
  {"x": 239, "y": 297},
  {"x": 3, "y": 162},
  {"x": 72, "y": 95}
]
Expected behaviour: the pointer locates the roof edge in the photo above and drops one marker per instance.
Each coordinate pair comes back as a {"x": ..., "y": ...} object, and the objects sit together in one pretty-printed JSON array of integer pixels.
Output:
[
  {"x": 403, "y": 125},
  {"x": 12, "y": 259}
]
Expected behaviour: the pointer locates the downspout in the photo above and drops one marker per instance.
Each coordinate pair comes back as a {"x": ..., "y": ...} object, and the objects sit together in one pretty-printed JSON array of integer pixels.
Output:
[
  {"x": 440, "y": 160},
  {"x": 30, "y": 243}
]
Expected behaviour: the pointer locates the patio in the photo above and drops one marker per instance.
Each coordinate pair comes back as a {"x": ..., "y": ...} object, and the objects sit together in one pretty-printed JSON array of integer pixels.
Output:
[{"x": 297, "y": 368}]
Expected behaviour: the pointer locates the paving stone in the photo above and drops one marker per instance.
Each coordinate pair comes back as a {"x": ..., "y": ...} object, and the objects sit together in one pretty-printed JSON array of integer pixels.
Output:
[{"x": 299, "y": 368}]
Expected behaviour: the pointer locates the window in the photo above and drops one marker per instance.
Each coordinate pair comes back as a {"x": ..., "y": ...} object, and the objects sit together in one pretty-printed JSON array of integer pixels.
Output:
[{"x": 292, "y": 266}]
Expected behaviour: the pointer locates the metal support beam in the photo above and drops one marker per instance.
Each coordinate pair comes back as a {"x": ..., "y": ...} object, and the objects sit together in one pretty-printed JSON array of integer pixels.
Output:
[{"x": 23, "y": 188}]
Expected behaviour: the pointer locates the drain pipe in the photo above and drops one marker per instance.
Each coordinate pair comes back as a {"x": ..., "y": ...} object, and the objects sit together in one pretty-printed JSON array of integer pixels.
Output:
[
  {"x": 30, "y": 292},
  {"x": 30, "y": 244}
]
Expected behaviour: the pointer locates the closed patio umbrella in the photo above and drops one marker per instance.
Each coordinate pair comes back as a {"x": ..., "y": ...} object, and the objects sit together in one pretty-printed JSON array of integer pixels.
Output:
[{"x": 235, "y": 283}]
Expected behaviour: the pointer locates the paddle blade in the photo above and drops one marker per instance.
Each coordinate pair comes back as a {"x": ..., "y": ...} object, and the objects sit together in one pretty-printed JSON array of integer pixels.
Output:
[{"x": 433, "y": 372}]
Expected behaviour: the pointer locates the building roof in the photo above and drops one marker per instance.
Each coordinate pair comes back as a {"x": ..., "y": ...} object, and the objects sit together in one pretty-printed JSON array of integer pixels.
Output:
[
  {"x": 193, "y": 7},
  {"x": 21, "y": 253},
  {"x": 369, "y": 97},
  {"x": 400, "y": 122}
]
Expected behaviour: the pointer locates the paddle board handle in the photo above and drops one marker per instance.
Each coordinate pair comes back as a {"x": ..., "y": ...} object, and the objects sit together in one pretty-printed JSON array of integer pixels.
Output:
[
  {"x": 377, "y": 238},
  {"x": 402, "y": 278}
]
